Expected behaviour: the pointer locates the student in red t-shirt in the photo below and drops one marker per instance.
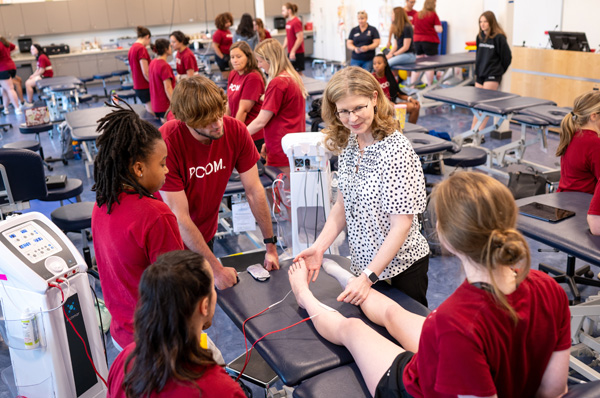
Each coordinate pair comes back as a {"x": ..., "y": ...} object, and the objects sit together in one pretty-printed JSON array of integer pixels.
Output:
[
  {"x": 44, "y": 69},
  {"x": 162, "y": 79},
  {"x": 410, "y": 11},
  {"x": 131, "y": 227},
  {"x": 139, "y": 63},
  {"x": 579, "y": 151},
  {"x": 505, "y": 332},
  {"x": 222, "y": 40},
  {"x": 283, "y": 109},
  {"x": 427, "y": 26},
  {"x": 185, "y": 59},
  {"x": 389, "y": 85},
  {"x": 245, "y": 88},
  {"x": 294, "y": 36},
  {"x": 168, "y": 358},
  {"x": 259, "y": 27},
  {"x": 8, "y": 70},
  {"x": 204, "y": 147}
]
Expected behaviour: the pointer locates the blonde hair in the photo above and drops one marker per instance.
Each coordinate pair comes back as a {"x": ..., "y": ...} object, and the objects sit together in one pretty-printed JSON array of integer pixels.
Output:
[
  {"x": 352, "y": 81},
  {"x": 261, "y": 28},
  {"x": 428, "y": 8},
  {"x": 400, "y": 21},
  {"x": 584, "y": 106},
  {"x": 198, "y": 102},
  {"x": 476, "y": 216},
  {"x": 272, "y": 52},
  {"x": 363, "y": 14}
]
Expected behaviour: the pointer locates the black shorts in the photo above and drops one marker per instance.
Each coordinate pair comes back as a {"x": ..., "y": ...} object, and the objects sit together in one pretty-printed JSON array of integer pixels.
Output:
[
  {"x": 414, "y": 280},
  {"x": 8, "y": 74},
  {"x": 483, "y": 79},
  {"x": 298, "y": 64},
  {"x": 160, "y": 115},
  {"x": 143, "y": 95},
  {"x": 426, "y": 47},
  {"x": 223, "y": 63},
  {"x": 391, "y": 384}
]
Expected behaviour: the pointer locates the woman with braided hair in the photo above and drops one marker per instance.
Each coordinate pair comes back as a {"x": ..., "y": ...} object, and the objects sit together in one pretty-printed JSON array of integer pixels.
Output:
[{"x": 131, "y": 227}]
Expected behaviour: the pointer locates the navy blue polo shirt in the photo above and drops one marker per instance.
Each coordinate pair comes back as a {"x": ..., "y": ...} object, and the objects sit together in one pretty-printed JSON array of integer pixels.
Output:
[{"x": 365, "y": 38}]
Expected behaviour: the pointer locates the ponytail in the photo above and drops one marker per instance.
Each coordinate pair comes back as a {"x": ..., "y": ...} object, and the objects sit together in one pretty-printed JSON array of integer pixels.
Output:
[{"x": 584, "y": 106}]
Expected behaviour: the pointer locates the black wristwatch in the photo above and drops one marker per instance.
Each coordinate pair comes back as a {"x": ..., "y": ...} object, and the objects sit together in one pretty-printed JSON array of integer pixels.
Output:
[
  {"x": 272, "y": 239},
  {"x": 371, "y": 275}
]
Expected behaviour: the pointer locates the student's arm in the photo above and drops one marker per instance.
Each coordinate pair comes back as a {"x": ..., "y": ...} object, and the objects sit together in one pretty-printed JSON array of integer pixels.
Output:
[
  {"x": 260, "y": 122},
  {"x": 438, "y": 28},
  {"x": 403, "y": 49},
  {"x": 393, "y": 50},
  {"x": 228, "y": 110},
  {"x": 244, "y": 108},
  {"x": 284, "y": 45},
  {"x": 299, "y": 40},
  {"x": 371, "y": 46},
  {"x": 217, "y": 49},
  {"x": 350, "y": 46},
  {"x": 144, "y": 66},
  {"x": 554, "y": 380},
  {"x": 189, "y": 73},
  {"x": 505, "y": 53},
  {"x": 594, "y": 224},
  {"x": 168, "y": 87},
  {"x": 257, "y": 200},
  {"x": 192, "y": 237}
]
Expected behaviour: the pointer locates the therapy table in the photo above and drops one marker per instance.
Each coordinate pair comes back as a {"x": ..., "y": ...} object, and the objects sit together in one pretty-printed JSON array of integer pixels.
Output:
[{"x": 298, "y": 353}]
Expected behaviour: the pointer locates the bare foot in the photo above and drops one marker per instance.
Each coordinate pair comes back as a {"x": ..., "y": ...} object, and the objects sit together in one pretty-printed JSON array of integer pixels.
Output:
[{"x": 298, "y": 274}]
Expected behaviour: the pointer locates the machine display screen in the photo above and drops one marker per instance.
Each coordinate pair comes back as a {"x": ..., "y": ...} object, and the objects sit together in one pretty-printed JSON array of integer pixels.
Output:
[{"x": 32, "y": 242}]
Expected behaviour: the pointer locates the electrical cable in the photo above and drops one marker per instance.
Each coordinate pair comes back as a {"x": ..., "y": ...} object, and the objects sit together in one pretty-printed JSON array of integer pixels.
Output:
[
  {"x": 76, "y": 332},
  {"x": 323, "y": 201},
  {"x": 101, "y": 324},
  {"x": 305, "y": 207},
  {"x": 172, "y": 15}
]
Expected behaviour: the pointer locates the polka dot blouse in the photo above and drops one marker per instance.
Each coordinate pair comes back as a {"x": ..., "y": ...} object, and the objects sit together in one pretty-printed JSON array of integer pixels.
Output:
[{"x": 389, "y": 180}]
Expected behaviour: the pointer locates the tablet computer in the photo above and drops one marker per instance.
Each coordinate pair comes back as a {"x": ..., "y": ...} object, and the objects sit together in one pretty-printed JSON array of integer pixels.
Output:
[{"x": 545, "y": 212}]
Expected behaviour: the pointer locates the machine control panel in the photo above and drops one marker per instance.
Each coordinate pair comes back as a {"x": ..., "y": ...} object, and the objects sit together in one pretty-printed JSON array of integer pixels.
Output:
[{"x": 32, "y": 242}]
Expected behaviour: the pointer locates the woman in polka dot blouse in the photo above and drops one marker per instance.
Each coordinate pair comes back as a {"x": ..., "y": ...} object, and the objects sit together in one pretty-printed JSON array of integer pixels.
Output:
[{"x": 381, "y": 190}]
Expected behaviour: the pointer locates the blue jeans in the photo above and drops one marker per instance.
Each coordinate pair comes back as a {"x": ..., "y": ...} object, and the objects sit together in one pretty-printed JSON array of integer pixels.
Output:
[
  {"x": 366, "y": 65},
  {"x": 406, "y": 58}
]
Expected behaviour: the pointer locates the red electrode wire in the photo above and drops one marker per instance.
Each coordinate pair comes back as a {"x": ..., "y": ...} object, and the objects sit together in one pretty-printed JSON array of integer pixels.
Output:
[{"x": 78, "y": 335}]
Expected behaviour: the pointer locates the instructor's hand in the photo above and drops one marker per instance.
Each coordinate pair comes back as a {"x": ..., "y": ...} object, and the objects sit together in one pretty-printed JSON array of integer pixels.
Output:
[
  {"x": 356, "y": 290},
  {"x": 225, "y": 278},
  {"x": 313, "y": 259}
]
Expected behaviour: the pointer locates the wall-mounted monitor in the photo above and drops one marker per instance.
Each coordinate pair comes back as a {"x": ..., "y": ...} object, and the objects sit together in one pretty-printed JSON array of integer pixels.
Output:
[{"x": 572, "y": 41}]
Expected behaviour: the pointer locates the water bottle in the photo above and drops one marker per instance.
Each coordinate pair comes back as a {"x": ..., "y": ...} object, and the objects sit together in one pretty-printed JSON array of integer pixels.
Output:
[{"x": 76, "y": 150}]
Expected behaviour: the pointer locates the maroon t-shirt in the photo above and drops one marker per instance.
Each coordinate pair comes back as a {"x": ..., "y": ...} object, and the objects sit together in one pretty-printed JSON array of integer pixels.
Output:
[
  {"x": 292, "y": 27},
  {"x": 214, "y": 382},
  {"x": 186, "y": 60},
  {"x": 44, "y": 62},
  {"x": 385, "y": 85},
  {"x": 267, "y": 35},
  {"x": 203, "y": 171},
  {"x": 251, "y": 87},
  {"x": 411, "y": 15},
  {"x": 160, "y": 71},
  {"x": 224, "y": 39},
  {"x": 126, "y": 242},
  {"x": 284, "y": 98},
  {"x": 470, "y": 346},
  {"x": 580, "y": 167},
  {"x": 6, "y": 62},
  {"x": 424, "y": 28},
  {"x": 136, "y": 53}
]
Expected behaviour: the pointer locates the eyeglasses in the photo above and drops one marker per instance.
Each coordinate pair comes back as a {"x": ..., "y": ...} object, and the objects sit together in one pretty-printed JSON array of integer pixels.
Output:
[{"x": 345, "y": 115}]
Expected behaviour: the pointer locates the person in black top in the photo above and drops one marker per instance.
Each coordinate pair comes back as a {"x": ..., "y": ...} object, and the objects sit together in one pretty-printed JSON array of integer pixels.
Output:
[
  {"x": 362, "y": 41},
  {"x": 403, "y": 51},
  {"x": 493, "y": 55}
]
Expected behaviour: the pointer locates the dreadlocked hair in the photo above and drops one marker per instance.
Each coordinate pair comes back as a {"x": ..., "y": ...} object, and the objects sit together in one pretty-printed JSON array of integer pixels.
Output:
[{"x": 124, "y": 139}]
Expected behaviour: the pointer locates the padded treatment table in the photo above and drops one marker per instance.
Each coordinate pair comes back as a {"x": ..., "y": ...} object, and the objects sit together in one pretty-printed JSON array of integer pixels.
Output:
[
  {"x": 83, "y": 124},
  {"x": 408, "y": 128},
  {"x": 62, "y": 95},
  {"x": 314, "y": 87},
  {"x": 425, "y": 144},
  {"x": 341, "y": 382},
  {"x": 299, "y": 352},
  {"x": 57, "y": 81}
]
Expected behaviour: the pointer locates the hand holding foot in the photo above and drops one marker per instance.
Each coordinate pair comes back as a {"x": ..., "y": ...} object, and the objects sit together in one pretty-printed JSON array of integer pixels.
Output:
[{"x": 298, "y": 274}]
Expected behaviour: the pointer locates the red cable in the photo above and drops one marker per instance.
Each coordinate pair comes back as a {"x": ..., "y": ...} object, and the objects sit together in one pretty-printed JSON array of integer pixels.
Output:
[{"x": 78, "y": 335}]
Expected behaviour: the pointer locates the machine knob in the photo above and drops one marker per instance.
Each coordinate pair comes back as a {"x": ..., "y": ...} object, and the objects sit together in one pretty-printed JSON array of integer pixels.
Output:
[{"x": 55, "y": 264}]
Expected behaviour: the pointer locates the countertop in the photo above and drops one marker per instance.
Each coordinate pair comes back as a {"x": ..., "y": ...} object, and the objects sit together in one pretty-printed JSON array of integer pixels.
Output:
[{"x": 18, "y": 57}]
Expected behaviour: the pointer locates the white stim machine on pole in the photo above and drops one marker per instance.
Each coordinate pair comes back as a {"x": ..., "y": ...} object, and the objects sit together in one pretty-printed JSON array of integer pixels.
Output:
[
  {"x": 44, "y": 332},
  {"x": 310, "y": 186}
]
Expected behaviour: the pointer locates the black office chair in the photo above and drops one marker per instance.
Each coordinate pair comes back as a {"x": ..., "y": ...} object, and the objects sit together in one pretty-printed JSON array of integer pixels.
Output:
[{"x": 22, "y": 179}]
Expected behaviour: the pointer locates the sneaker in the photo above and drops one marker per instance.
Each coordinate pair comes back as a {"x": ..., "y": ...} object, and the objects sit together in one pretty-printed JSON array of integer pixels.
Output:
[
  {"x": 5, "y": 110},
  {"x": 18, "y": 111},
  {"x": 27, "y": 105}
]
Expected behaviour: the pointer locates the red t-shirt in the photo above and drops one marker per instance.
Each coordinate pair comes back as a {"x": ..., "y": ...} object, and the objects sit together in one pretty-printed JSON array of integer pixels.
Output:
[
  {"x": 411, "y": 15},
  {"x": 44, "y": 62},
  {"x": 214, "y": 382},
  {"x": 136, "y": 53},
  {"x": 284, "y": 98},
  {"x": 292, "y": 27},
  {"x": 126, "y": 242},
  {"x": 6, "y": 62},
  {"x": 203, "y": 171},
  {"x": 186, "y": 60},
  {"x": 470, "y": 346},
  {"x": 267, "y": 35},
  {"x": 224, "y": 39},
  {"x": 580, "y": 167},
  {"x": 249, "y": 86},
  {"x": 424, "y": 28},
  {"x": 160, "y": 71},
  {"x": 385, "y": 85}
]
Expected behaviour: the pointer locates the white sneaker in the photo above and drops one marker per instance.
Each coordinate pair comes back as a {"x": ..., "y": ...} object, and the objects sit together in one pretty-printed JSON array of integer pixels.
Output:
[
  {"x": 26, "y": 105},
  {"x": 5, "y": 111},
  {"x": 18, "y": 111}
]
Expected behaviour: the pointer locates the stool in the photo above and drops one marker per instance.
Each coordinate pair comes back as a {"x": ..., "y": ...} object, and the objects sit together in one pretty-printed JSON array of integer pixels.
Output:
[
  {"x": 37, "y": 130},
  {"x": 103, "y": 77},
  {"x": 86, "y": 80},
  {"x": 76, "y": 217},
  {"x": 127, "y": 86},
  {"x": 32, "y": 145},
  {"x": 126, "y": 94},
  {"x": 72, "y": 189},
  {"x": 467, "y": 157},
  {"x": 120, "y": 74},
  {"x": 85, "y": 98}
]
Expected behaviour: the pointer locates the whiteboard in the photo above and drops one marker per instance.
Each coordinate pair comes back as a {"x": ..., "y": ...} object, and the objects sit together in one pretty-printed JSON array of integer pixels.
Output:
[{"x": 532, "y": 18}]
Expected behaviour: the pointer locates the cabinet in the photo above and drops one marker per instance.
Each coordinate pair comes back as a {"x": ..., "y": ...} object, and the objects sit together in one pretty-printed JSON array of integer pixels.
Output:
[
  {"x": 160, "y": 12},
  {"x": 107, "y": 63},
  {"x": 80, "y": 16},
  {"x": 117, "y": 14},
  {"x": 189, "y": 11},
  {"x": 11, "y": 17},
  {"x": 65, "y": 66},
  {"x": 273, "y": 7},
  {"x": 221, "y": 6},
  {"x": 135, "y": 13},
  {"x": 57, "y": 14},
  {"x": 35, "y": 18},
  {"x": 88, "y": 65},
  {"x": 98, "y": 12},
  {"x": 242, "y": 6}
]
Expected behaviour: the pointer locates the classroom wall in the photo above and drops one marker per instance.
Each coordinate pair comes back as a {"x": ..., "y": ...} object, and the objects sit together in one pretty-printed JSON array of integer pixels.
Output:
[{"x": 582, "y": 16}]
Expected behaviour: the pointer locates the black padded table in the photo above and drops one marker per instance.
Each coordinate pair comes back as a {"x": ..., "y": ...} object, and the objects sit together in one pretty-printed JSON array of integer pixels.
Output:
[
  {"x": 58, "y": 81},
  {"x": 425, "y": 144},
  {"x": 512, "y": 105},
  {"x": 468, "y": 97},
  {"x": 553, "y": 114},
  {"x": 572, "y": 235},
  {"x": 297, "y": 353},
  {"x": 314, "y": 86},
  {"x": 408, "y": 128},
  {"x": 89, "y": 117},
  {"x": 438, "y": 62}
]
